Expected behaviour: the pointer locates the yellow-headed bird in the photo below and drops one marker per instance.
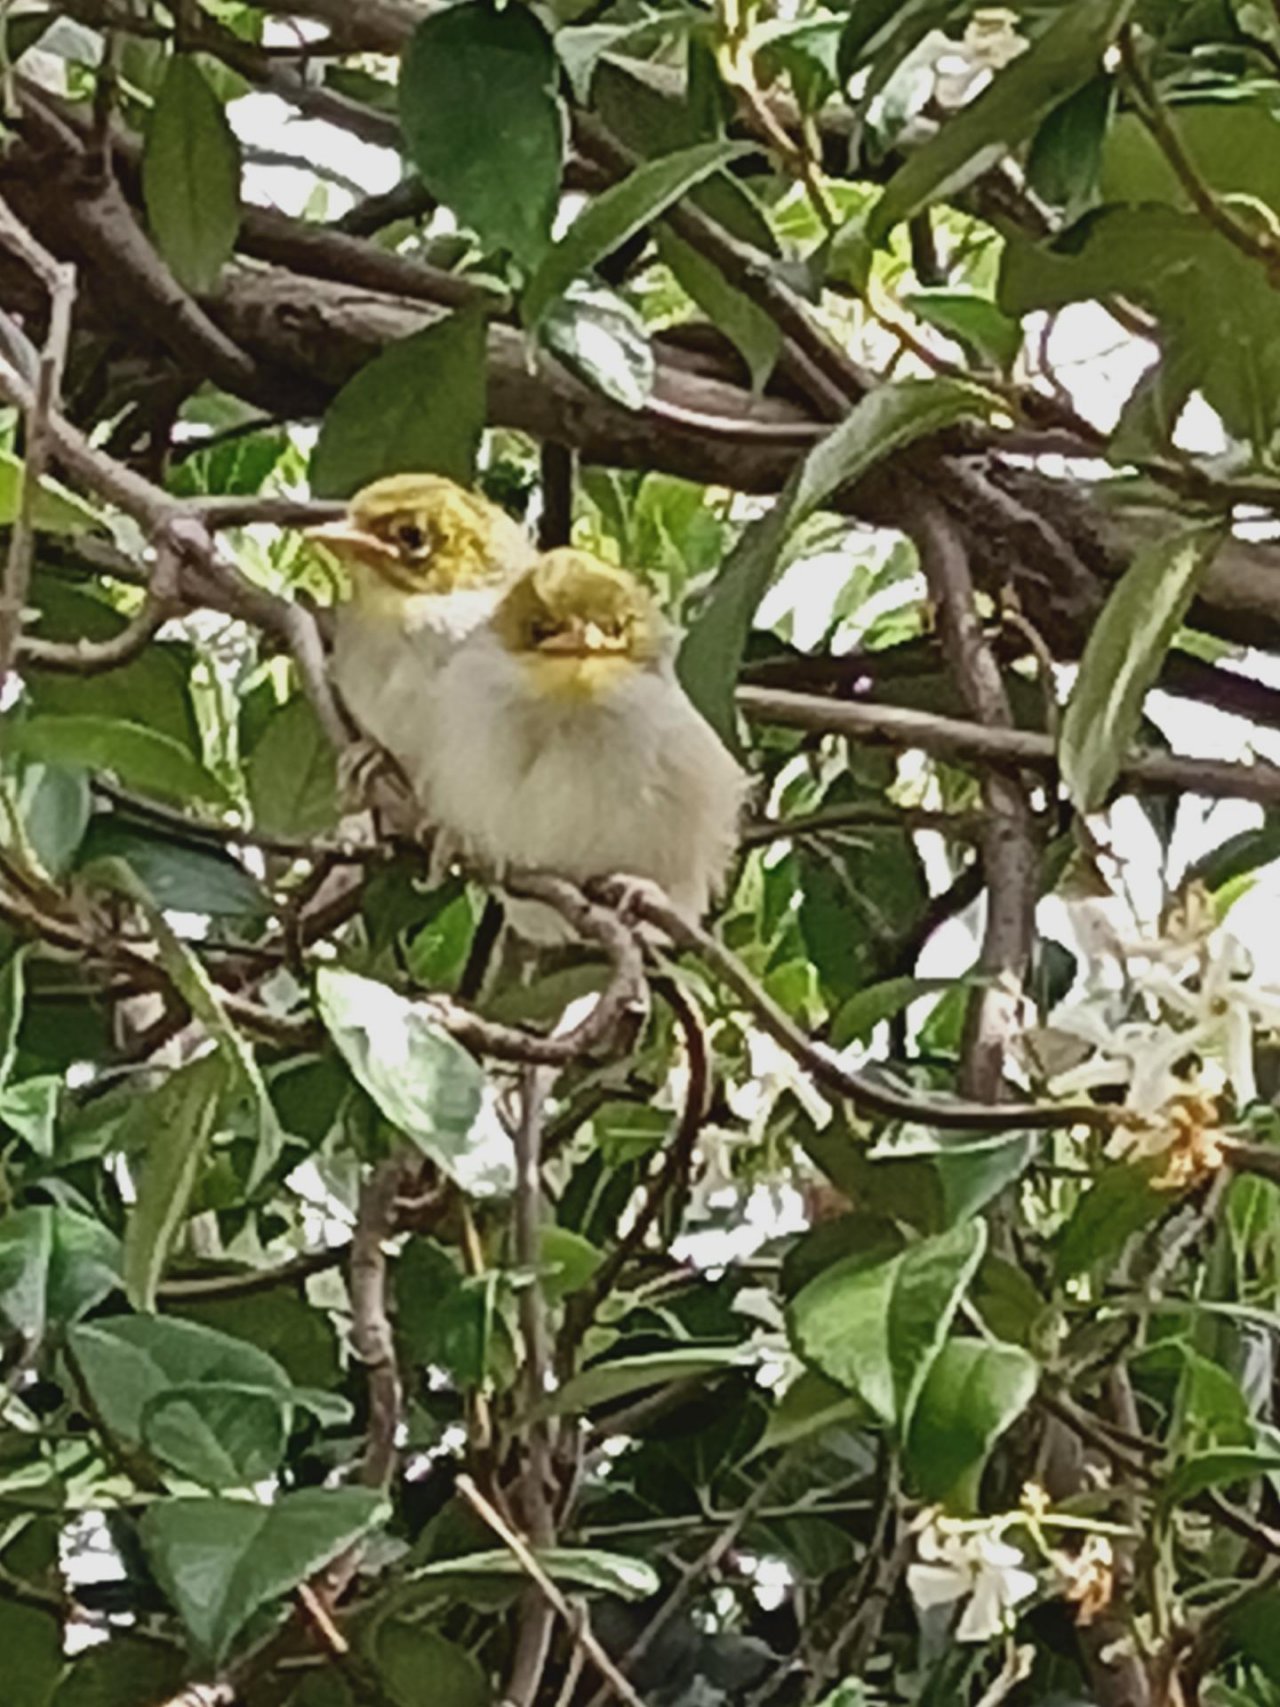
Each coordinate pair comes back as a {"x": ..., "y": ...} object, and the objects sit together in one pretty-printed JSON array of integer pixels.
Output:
[
  {"x": 428, "y": 562},
  {"x": 564, "y": 740}
]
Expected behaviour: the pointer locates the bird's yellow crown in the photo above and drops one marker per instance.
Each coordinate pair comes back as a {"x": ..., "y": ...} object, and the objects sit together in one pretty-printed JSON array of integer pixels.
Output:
[
  {"x": 571, "y": 605},
  {"x": 422, "y": 533}
]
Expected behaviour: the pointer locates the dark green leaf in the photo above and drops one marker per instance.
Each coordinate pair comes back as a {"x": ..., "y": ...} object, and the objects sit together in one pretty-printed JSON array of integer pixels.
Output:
[
  {"x": 617, "y": 214},
  {"x": 971, "y": 1395},
  {"x": 219, "y": 1561},
  {"x": 979, "y": 136},
  {"x": 405, "y": 1653},
  {"x": 172, "y": 1126},
  {"x": 1120, "y": 1202},
  {"x": 604, "y": 1382},
  {"x": 178, "y": 876},
  {"x": 292, "y": 774},
  {"x": 31, "y": 1110},
  {"x": 857, "y": 1018},
  {"x": 191, "y": 177},
  {"x": 877, "y": 1330},
  {"x": 1066, "y": 157},
  {"x": 972, "y": 320},
  {"x": 419, "y": 405},
  {"x": 1122, "y": 658},
  {"x": 753, "y": 333},
  {"x": 124, "y": 1672},
  {"x": 31, "y": 1640},
  {"x": 1220, "y": 1468},
  {"x": 479, "y": 112}
]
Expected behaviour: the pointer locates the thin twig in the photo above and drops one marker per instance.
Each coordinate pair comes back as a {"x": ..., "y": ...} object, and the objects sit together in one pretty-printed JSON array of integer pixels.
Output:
[
  {"x": 579, "y": 1629},
  {"x": 59, "y": 279}
]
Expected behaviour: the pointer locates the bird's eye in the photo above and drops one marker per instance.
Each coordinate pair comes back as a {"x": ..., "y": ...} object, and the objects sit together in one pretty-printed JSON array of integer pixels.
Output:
[{"x": 411, "y": 537}]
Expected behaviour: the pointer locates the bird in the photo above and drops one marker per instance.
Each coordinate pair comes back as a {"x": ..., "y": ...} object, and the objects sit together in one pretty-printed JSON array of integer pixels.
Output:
[
  {"x": 565, "y": 741},
  {"x": 427, "y": 561}
]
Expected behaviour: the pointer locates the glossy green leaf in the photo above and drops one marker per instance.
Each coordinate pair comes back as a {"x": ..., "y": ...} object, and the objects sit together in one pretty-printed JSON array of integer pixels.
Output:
[
  {"x": 1065, "y": 162},
  {"x": 172, "y": 1126},
  {"x": 220, "y": 1561},
  {"x": 1123, "y": 657},
  {"x": 191, "y": 177},
  {"x": 142, "y": 758},
  {"x": 894, "y": 415},
  {"x": 978, "y": 137},
  {"x": 810, "y": 1404},
  {"x": 425, "y": 1084},
  {"x": 30, "y": 1108},
  {"x": 124, "y": 1672},
  {"x": 617, "y": 214},
  {"x": 603, "y": 1383},
  {"x": 483, "y": 124},
  {"x": 579, "y": 1567},
  {"x": 876, "y": 1330},
  {"x": 419, "y": 405},
  {"x": 971, "y": 1395},
  {"x": 602, "y": 339},
  {"x": 858, "y": 1017},
  {"x": 214, "y": 1407},
  {"x": 1221, "y": 1467},
  {"x": 55, "y": 1265}
]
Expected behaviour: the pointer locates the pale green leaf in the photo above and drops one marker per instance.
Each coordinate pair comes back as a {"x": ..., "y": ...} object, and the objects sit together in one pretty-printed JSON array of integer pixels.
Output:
[
  {"x": 971, "y": 1395},
  {"x": 1123, "y": 657}
]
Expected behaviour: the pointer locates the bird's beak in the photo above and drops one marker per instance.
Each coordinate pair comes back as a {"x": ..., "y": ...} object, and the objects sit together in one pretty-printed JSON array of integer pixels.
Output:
[
  {"x": 578, "y": 639},
  {"x": 344, "y": 539}
]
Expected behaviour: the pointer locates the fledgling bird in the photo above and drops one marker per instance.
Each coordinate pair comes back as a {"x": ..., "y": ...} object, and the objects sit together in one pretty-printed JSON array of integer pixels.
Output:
[
  {"x": 566, "y": 742},
  {"x": 428, "y": 561}
]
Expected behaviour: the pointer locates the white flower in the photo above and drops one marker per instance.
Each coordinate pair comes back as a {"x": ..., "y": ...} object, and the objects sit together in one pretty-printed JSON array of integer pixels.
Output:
[{"x": 959, "y": 1563}]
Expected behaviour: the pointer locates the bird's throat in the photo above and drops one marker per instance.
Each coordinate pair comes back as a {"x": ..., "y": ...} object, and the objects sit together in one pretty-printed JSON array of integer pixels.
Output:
[{"x": 575, "y": 677}]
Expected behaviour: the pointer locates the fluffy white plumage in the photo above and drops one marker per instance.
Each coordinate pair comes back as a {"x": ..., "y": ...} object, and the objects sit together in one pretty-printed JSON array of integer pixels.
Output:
[{"x": 584, "y": 765}]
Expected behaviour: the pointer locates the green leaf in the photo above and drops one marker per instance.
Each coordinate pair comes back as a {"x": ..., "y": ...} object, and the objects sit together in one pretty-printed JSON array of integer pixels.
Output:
[
  {"x": 1159, "y": 257},
  {"x": 55, "y": 804},
  {"x": 220, "y": 1561},
  {"x": 1221, "y": 1467},
  {"x": 892, "y": 416},
  {"x": 877, "y": 1330},
  {"x": 12, "y": 1000},
  {"x": 971, "y": 1395},
  {"x": 142, "y": 758},
  {"x": 1119, "y": 1203},
  {"x": 1065, "y": 161},
  {"x": 56, "y": 509},
  {"x": 30, "y": 1109},
  {"x": 55, "y": 1265},
  {"x": 191, "y": 177},
  {"x": 483, "y": 125},
  {"x": 567, "y": 1262},
  {"x": 972, "y": 320},
  {"x": 617, "y": 214},
  {"x": 581, "y": 1567},
  {"x": 617, "y": 1379},
  {"x": 292, "y": 774},
  {"x": 178, "y": 876},
  {"x": 1122, "y": 659},
  {"x": 1009, "y": 109},
  {"x": 31, "y": 1639},
  {"x": 857, "y": 1018},
  {"x": 214, "y": 1407},
  {"x": 752, "y": 332},
  {"x": 810, "y": 1404},
  {"x": 123, "y": 1672},
  {"x": 173, "y": 1125},
  {"x": 1234, "y": 147},
  {"x": 404, "y": 1653},
  {"x": 424, "y": 1082},
  {"x": 419, "y": 405},
  {"x": 601, "y": 338}
]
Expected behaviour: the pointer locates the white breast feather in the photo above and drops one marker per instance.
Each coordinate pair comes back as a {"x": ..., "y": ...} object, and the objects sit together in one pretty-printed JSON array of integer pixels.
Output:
[
  {"x": 387, "y": 653},
  {"x": 632, "y": 782}
]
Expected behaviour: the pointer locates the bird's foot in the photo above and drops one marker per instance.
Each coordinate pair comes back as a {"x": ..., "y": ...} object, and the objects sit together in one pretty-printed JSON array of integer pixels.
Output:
[
  {"x": 630, "y": 895},
  {"x": 370, "y": 779}
]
